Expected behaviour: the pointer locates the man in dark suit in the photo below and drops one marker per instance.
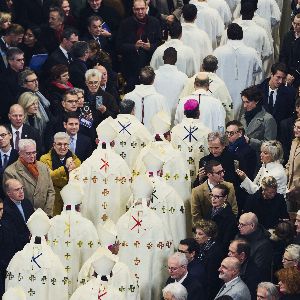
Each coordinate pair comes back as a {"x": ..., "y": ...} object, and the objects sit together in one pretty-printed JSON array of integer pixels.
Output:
[
  {"x": 19, "y": 130},
  {"x": 80, "y": 144},
  {"x": 61, "y": 55},
  {"x": 278, "y": 99},
  {"x": 17, "y": 211},
  {"x": 177, "y": 266},
  {"x": 7, "y": 154}
]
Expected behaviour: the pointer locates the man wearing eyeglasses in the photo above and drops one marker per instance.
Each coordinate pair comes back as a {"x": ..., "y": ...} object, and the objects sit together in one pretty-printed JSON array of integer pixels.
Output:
[
  {"x": 261, "y": 251},
  {"x": 177, "y": 267},
  {"x": 34, "y": 176}
]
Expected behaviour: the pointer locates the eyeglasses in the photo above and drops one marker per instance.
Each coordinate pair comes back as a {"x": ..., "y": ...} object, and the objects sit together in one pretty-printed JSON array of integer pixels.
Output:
[
  {"x": 174, "y": 269},
  {"x": 19, "y": 59},
  {"x": 72, "y": 101},
  {"x": 220, "y": 172},
  {"x": 286, "y": 259},
  {"x": 30, "y": 153},
  {"x": 231, "y": 133},
  {"x": 93, "y": 82},
  {"x": 216, "y": 196},
  {"x": 62, "y": 144},
  {"x": 33, "y": 80},
  {"x": 243, "y": 224},
  {"x": 3, "y": 135},
  {"x": 18, "y": 189},
  {"x": 181, "y": 251}
]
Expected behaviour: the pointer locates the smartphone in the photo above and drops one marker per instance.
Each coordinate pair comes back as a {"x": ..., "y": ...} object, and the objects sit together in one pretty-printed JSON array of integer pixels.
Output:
[{"x": 99, "y": 101}]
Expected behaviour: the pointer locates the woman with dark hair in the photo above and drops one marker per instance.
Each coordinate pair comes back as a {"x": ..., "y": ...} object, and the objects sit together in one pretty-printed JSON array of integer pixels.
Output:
[
  {"x": 69, "y": 20},
  {"x": 289, "y": 283}
]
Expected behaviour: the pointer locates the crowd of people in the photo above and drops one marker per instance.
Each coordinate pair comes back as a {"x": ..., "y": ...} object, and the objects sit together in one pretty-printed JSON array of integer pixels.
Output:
[{"x": 149, "y": 149}]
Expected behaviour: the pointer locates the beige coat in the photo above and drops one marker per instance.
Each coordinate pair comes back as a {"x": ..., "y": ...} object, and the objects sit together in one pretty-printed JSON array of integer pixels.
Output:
[
  {"x": 40, "y": 192},
  {"x": 293, "y": 165}
]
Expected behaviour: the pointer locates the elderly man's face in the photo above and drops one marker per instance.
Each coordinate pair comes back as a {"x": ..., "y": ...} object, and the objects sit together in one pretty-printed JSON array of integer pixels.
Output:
[
  {"x": 93, "y": 84},
  {"x": 168, "y": 296},
  {"x": 16, "y": 116},
  {"x": 297, "y": 223},
  {"x": 28, "y": 153},
  {"x": 176, "y": 270},
  {"x": 15, "y": 191},
  {"x": 245, "y": 225},
  {"x": 226, "y": 272},
  {"x": 215, "y": 147},
  {"x": 287, "y": 260},
  {"x": 61, "y": 147},
  {"x": 32, "y": 83},
  {"x": 17, "y": 63},
  {"x": 262, "y": 293}
]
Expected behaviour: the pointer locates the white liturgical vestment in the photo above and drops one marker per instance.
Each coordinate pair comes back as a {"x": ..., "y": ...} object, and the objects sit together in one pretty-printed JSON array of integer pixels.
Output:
[
  {"x": 132, "y": 137},
  {"x": 145, "y": 246},
  {"x": 239, "y": 66},
  {"x": 186, "y": 58},
  {"x": 122, "y": 278},
  {"x": 209, "y": 20},
  {"x": 74, "y": 239},
  {"x": 39, "y": 272},
  {"x": 190, "y": 137},
  {"x": 212, "y": 112},
  {"x": 198, "y": 40},
  {"x": 218, "y": 90},
  {"x": 169, "y": 82},
  {"x": 105, "y": 181},
  {"x": 232, "y": 4},
  {"x": 148, "y": 102},
  {"x": 175, "y": 168},
  {"x": 223, "y": 9},
  {"x": 96, "y": 289}
]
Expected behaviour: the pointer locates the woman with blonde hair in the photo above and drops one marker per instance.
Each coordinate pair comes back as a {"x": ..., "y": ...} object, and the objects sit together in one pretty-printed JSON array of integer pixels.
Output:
[{"x": 33, "y": 115}]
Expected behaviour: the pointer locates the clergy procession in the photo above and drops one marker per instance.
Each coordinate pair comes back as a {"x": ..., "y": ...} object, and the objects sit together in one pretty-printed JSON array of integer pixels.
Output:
[{"x": 149, "y": 149}]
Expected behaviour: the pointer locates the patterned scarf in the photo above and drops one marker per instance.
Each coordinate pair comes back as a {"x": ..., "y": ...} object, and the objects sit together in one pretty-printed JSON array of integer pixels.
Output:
[{"x": 31, "y": 167}]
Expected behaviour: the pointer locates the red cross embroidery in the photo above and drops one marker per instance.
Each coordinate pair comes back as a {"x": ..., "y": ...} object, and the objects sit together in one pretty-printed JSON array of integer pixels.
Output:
[
  {"x": 105, "y": 165},
  {"x": 137, "y": 222},
  {"x": 100, "y": 295}
]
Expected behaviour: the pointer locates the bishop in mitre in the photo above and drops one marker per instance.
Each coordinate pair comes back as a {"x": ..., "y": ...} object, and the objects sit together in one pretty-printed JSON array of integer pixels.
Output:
[
  {"x": 104, "y": 178},
  {"x": 36, "y": 269},
  {"x": 175, "y": 168},
  {"x": 144, "y": 242},
  {"x": 132, "y": 134},
  {"x": 71, "y": 236},
  {"x": 98, "y": 288},
  {"x": 14, "y": 293},
  {"x": 122, "y": 278}
]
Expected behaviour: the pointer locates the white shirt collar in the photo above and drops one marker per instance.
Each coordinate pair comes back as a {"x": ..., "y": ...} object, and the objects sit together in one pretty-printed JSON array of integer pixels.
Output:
[
  {"x": 7, "y": 153},
  {"x": 13, "y": 129},
  {"x": 74, "y": 137},
  {"x": 182, "y": 279},
  {"x": 64, "y": 51}
]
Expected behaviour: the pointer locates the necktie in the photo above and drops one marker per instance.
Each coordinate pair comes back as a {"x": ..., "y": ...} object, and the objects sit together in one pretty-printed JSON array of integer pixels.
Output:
[
  {"x": 17, "y": 140},
  {"x": 171, "y": 6},
  {"x": 72, "y": 145},
  {"x": 68, "y": 58},
  {"x": 143, "y": 107},
  {"x": 271, "y": 102},
  {"x": 5, "y": 161}
]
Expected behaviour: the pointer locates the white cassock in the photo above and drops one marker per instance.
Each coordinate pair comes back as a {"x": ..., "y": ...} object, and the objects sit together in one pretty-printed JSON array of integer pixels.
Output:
[
  {"x": 145, "y": 246},
  {"x": 122, "y": 278},
  {"x": 132, "y": 137},
  {"x": 232, "y": 4},
  {"x": 212, "y": 112},
  {"x": 280, "y": 4},
  {"x": 175, "y": 168},
  {"x": 74, "y": 239},
  {"x": 223, "y": 9},
  {"x": 39, "y": 272},
  {"x": 274, "y": 169},
  {"x": 209, "y": 20},
  {"x": 105, "y": 180},
  {"x": 169, "y": 82},
  {"x": 198, "y": 40},
  {"x": 186, "y": 59},
  {"x": 239, "y": 66},
  {"x": 148, "y": 102},
  {"x": 218, "y": 90},
  {"x": 96, "y": 289},
  {"x": 190, "y": 137}
]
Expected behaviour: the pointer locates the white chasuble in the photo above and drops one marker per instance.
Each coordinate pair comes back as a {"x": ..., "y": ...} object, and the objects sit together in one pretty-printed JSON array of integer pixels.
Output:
[
  {"x": 74, "y": 239},
  {"x": 105, "y": 180},
  {"x": 145, "y": 247},
  {"x": 122, "y": 278},
  {"x": 39, "y": 272},
  {"x": 132, "y": 137}
]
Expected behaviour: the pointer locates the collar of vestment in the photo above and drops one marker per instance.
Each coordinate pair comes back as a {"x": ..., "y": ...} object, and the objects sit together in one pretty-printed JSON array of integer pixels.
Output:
[{"x": 143, "y": 90}]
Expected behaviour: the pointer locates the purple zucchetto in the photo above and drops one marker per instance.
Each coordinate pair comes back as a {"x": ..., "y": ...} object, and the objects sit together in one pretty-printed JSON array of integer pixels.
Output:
[{"x": 191, "y": 104}]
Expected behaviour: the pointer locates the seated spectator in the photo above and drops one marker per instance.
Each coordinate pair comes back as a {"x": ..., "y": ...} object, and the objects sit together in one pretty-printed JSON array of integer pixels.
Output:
[
  {"x": 8, "y": 155},
  {"x": 201, "y": 201},
  {"x": 289, "y": 283},
  {"x": 297, "y": 224},
  {"x": 267, "y": 291},
  {"x": 177, "y": 266},
  {"x": 249, "y": 272},
  {"x": 31, "y": 44},
  {"x": 291, "y": 256},
  {"x": 211, "y": 254},
  {"x": 32, "y": 113},
  {"x": 60, "y": 161},
  {"x": 102, "y": 103},
  {"x": 69, "y": 19},
  {"x": 5, "y": 21},
  {"x": 78, "y": 68},
  {"x": 271, "y": 157},
  {"x": 259, "y": 125},
  {"x": 267, "y": 204},
  {"x": 238, "y": 145},
  {"x": 33, "y": 175},
  {"x": 80, "y": 144},
  {"x": 258, "y": 238},
  {"x": 233, "y": 284},
  {"x": 195, "y": 267},
  {"x": 175, "y": 291},
  {"x": 221, "y": 213},
  {"x": 17, "y": 210}
]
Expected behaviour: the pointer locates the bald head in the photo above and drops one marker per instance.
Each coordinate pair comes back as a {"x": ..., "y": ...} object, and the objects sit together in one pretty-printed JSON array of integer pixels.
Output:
[
  {"x": 229, "y": 269},
  {"x": 247, "y": 223},
  {"x": 16, "y": 115},
  {"x": 201, "y": 81}
]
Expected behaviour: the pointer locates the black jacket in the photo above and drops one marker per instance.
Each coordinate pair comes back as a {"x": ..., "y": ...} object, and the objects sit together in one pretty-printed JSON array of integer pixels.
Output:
[
  {"x": 77, "y": 69},
  {"x": 84, "y": 147},
  {"x": 55, "y": 58},
  {"x": 286, "y": 136}
]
